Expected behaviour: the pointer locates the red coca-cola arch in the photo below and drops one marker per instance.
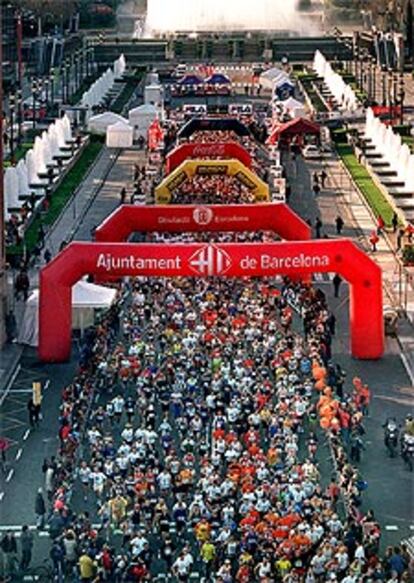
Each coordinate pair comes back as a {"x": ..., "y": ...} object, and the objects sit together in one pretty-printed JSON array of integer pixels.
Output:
[
  {"x": 276, "y": 217},
  {"x": 201, "y": 260},
  {"x": 200, "y": 150}
]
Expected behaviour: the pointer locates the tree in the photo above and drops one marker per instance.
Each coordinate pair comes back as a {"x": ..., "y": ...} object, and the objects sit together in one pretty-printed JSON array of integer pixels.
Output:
[{"x": 54, "y": 10}]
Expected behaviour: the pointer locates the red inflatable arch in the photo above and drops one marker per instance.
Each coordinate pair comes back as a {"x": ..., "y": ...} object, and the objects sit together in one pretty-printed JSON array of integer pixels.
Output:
[
  {"x": 201, "y": 260},
  {"x": 220, "y": 150},
  {"x": 276, "y": 217}
]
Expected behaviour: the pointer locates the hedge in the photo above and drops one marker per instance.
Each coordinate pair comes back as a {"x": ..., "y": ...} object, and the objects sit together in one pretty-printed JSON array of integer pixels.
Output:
[
  {"x": 362, "y": 178},
  {"x": 60, "y": 197}
]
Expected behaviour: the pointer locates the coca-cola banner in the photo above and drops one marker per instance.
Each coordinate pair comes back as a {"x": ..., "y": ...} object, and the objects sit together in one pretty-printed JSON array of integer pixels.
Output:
[
  {"x": 211, "y": 260},
  {"x": 231, "y": 167},
  {"x": 201, "y": 150},
  {"x": 129, "y": 219}
]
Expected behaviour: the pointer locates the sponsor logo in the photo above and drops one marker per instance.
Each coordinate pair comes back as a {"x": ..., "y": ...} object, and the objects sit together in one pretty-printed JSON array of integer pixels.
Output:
[
  {"x": 203, "y": 215},
  {"x": 215, "y": 169},
  {"x": 176, "y": 181},
  {"x": 208, "y": 150},
  {"x": 241, "y": 177},
  {"x": 210, "y": 260}
]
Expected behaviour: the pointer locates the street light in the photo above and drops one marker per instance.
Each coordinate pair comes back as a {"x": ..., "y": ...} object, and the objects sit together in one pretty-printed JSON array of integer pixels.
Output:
[
  {"x": 19, "y": 115},
  {"x": 374, "y": 79},
  {"x": 11, "y": 107},
  {"x": 401, "y": 97},
  {"x": 47, "y": 91},
  {"x": 384, "y": 86},
  {"x": 52, "y": 86},
  {"x": 34, "y": 89}
]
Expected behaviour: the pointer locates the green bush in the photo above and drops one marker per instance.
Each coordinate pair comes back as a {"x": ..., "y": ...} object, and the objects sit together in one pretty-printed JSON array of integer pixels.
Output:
[
  {"x": 125, "y": 96},
  {"x": 362, "y": 178},
  {"x": 60, "y": 197}
]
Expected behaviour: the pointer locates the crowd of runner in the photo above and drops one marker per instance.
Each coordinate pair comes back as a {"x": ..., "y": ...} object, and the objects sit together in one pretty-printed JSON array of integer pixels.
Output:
[{"x": 202, "y": 452}]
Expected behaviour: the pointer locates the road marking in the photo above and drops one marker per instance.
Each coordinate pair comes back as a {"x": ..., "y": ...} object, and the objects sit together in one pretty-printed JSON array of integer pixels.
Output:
[
  {"x": 26, "y": 434},
  {"x": 407, "y": 367},
  {"x": 1, "y": 496},
  {"x": 19, "y": 454},
  {"x": 391, "y": 527},
  {"x": 47, "y": 384},
  {"x": 10, "y": 383},
  {"x": 10, "y": 475}
]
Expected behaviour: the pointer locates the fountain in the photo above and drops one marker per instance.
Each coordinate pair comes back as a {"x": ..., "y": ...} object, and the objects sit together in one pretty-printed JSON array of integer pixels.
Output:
[
  {"x": 39, "y": 157},
  {"x": 215, "y": 15},
  {"x": 11, "y": 190},
  {"x": 404, "y": 163},
  {"x": 119, "y": 67},
  {"x": 67, "y": 130},
  {"x": 53, "y": 140},
  {"x": 32, "y": 176},
  {"x": 47, "y": 150},
  {"x": 409, "y": 177},
  {"x": 22, "y": 175}
]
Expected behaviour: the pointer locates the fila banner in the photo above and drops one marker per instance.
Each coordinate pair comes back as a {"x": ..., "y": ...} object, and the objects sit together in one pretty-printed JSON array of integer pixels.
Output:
[
  {"x": 201, "y": 150},
  {"x": 207, "y": 260},
  {"x": 189, "y": 168}
]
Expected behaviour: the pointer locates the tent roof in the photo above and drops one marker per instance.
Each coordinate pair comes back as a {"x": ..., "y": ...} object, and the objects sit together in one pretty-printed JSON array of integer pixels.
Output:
[
  {"x": 84, "y": 295},
  {"x": 144, "y": 108},
  {"x": 190, "y": 79},
  {"x": 120, "y": 126},
  {"x": 108, "y": 117},
  {"x": 294, "y": 127},
  {"x": 273, "y": 73},
  {"x": 217, "y": 79},
  {"x": 291, "y": 103}
]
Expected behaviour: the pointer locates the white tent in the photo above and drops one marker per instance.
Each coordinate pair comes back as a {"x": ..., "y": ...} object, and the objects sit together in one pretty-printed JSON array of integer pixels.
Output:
[
  {"x": 271, "y": 76},
  {"x": 86, "y": 297},
  {"x": 120, "y": 135},
  {"x": 141, "y": 118},
  {"x": 293, "y": 107},
  {"x": 153, "y": 94},
  {"x": 98, "y": 124}
]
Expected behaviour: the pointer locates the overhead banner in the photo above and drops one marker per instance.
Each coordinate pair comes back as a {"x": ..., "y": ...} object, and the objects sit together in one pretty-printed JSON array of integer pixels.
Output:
[
  {"x": 189, "y": 168},
  {"x": 202, "y": 150},
  {"x": 129, "y": 219},
  {"x": 213, "y": 124},
  {"x": 208, "y": 260}
]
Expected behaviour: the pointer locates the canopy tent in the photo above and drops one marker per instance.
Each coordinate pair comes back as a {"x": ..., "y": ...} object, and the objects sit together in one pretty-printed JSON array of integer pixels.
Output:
[
  {"x": 86, "y": 297},
  {"x": 153, "y": 95},
  {"x": 217, "y": 79},
  {"x": 98, "y": 124},
  {"x": 284, "y": 89},
  {"x": 141, "y": 118},
  {"x": 209, "y": 124},
  {"x": 271, "y": 76},
  {"x": 120, "y": 135},
  {"x": 295, "y": 128},
  {"x": 292, "y": 106},
  {"x": 190, "y": 80}
]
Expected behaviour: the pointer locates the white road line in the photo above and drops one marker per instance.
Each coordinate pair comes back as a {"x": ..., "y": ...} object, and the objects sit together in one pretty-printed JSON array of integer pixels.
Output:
[
  {"x": 407, "y": 367},
  {"x": 1, "y": 496},
  {"x": 10, "y": 475},
  {"x": 391, "y": 527},
  {"x": 19, "y": 454},
  {"x": 47, "y": 384},
  {"x": 26, "y": 434}
]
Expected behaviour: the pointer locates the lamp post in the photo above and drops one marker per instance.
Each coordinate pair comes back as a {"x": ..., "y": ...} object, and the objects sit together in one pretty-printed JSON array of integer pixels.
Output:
[
  {"x": 19, "y": 115},
  {"x": 11, "y": 108},
  {"x": 52, "y": 86},
  {"x": 401, "y": 97},
  {"x": 389, "y": 90},
  {"x": 34, "y": 89},
  {"x": 67, "y": 80},
  {"x": 384, "y": 86},
  {"x": 374, "y": 79},
  {"x": 47, "y": 92}
]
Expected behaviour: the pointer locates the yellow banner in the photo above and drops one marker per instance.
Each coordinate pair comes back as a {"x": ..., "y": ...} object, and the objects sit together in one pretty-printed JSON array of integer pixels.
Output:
[{"x": 190, "y": 168}]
